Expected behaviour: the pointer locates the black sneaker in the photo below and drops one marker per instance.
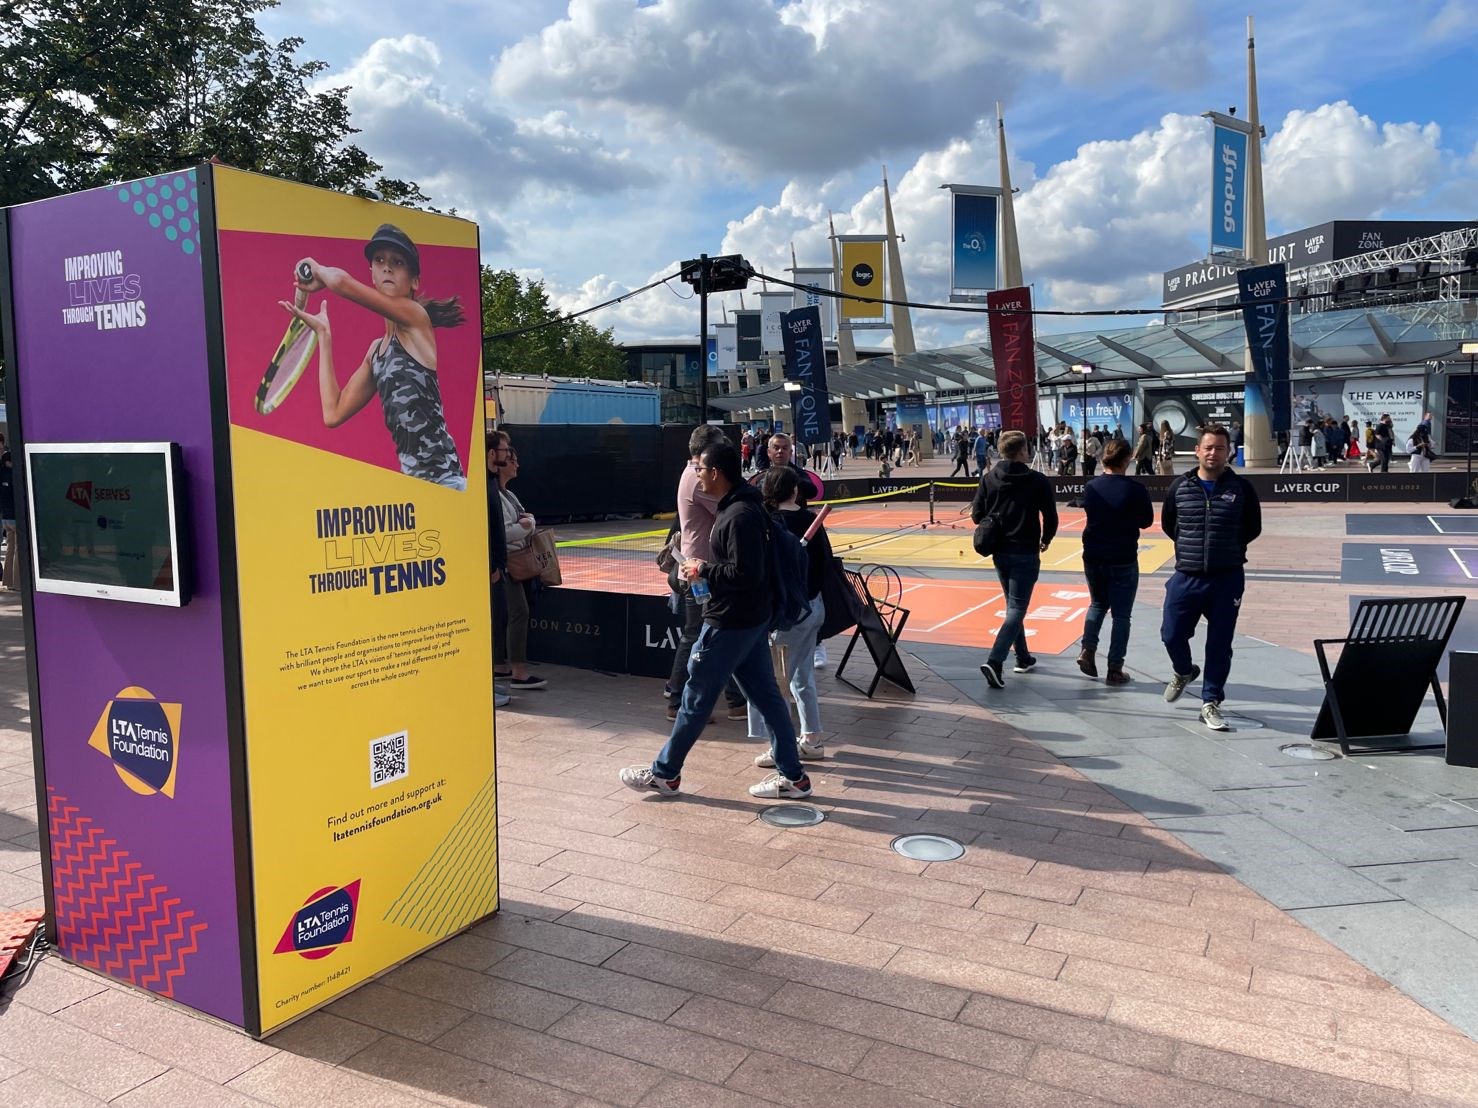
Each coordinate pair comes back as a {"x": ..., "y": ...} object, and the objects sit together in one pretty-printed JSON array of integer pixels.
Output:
[
  {"x": 1025, "y": 665},
  {"x": 992, "y": 673},
  {"x": 529, "y": 682},
  {"x": 739, "y": 712}
]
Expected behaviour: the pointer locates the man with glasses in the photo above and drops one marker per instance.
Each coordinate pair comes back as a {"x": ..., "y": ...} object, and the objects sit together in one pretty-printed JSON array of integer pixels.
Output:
[
  {"x": 696, "y": 511},
  {"x": 1211, "y": 514}
]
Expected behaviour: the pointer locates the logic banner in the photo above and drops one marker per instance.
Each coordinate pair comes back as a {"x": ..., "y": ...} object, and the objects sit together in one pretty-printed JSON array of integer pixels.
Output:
[
  {"x": 805, "y": 361},
  {"x": 1228, "y": 190},
  {"x": 1263, "y": 291},
  {"x": 862, "y": 275},
  {"x": 975, "y": 215},
  {"x": 1013, "y": 350},
  {"x": 361, "y": 527}
]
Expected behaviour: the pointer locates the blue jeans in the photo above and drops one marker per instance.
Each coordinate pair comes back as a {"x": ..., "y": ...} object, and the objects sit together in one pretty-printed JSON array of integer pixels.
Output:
[
  {"x": 1017, "y": 573},
  {"x": 1188, "y": 597},
  {"x": 744, "y": 654},
  {"x": 1112, "y": 588},
  {"x": 799, "y": 644}
]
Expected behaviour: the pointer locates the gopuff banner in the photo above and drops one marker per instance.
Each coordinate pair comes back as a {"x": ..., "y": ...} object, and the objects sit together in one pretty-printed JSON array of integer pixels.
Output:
[
  {"x": 1012, "y": 350},
  {"x": 805, "y": 362},
  {"x": 747, "y": 324},
  {"x": 1228, "y": 191},
  {"x": 1263, "y": 291}
]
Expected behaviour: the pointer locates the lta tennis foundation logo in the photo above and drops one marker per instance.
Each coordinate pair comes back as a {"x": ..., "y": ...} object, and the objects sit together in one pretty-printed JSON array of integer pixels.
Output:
[
  {"x": 324, "y": 923},
  {"x": 141, "y": 736}
]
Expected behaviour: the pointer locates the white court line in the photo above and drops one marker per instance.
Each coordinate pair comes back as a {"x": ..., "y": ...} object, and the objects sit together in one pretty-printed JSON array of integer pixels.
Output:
[
  {"x": 1439, "y": 529},
  {"x": 966, "y": 612},
  {"x": 1462, "y": 565}
]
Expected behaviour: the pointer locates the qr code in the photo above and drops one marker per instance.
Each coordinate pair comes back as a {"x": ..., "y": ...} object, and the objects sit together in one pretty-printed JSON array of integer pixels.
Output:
[{"x": 390, "y": 759}]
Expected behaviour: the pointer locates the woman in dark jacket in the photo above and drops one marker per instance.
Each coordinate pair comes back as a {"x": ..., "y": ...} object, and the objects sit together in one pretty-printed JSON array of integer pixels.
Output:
[{"x": 797, "y": 646}]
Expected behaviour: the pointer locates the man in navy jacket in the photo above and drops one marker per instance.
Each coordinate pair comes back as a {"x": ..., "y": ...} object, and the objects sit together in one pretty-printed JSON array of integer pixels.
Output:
[{"x": 1211, "y": 514}]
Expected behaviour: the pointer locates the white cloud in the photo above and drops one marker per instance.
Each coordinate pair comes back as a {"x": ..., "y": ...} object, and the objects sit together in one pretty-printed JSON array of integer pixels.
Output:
[{"x": 464, "y": 152}]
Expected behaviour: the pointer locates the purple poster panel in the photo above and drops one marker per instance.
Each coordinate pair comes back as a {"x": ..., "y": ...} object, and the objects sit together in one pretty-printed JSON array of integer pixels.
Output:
[{"x": 110, "y": 335}]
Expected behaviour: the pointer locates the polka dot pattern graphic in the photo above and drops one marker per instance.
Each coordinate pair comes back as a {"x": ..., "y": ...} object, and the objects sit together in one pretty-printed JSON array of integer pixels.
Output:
[{"x": 169, "y": 203}]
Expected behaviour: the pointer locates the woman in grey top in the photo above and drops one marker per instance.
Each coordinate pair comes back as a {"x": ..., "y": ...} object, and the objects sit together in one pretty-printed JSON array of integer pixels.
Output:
[{"x": 400, "y": 366}]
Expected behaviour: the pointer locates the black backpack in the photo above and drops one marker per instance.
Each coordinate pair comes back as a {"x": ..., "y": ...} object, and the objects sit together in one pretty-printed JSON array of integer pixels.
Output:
[{"x": 790, "y": 599}]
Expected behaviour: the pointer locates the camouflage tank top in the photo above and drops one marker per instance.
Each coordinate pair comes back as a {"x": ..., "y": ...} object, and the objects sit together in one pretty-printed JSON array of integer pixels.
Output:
[{"x": 411, "y": 398}]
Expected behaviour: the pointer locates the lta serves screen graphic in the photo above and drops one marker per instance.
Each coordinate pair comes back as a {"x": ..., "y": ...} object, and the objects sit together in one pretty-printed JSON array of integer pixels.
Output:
[{"x": 357, "y": 466}]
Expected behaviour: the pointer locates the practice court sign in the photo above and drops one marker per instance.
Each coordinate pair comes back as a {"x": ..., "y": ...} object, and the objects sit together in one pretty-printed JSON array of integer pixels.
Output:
[{"x": 1229, "y": 139}]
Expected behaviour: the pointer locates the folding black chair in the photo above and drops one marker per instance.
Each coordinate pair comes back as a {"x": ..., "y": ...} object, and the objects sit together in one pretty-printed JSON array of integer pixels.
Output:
[
  {"x": 1386, "y": 664},
  {"x": 880, "y": 622}
]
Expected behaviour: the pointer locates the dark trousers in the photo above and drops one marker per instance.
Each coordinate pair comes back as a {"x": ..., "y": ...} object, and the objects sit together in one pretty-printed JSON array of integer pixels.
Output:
[
  {"x": 961, "y": 464},
  {"x": 692, "y": 624},
  {"x": 1113, "y": 588},
  {"x": 720, "y": 655},
  {"x": 1189, "y": 597},
  {"x": 1089, "y": 465},
  {"x": 1018, "y": 573}
]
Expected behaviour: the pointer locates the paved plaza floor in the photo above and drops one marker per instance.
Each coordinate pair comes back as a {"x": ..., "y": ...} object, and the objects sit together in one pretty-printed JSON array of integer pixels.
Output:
[{"x": 1145, "y": 914}]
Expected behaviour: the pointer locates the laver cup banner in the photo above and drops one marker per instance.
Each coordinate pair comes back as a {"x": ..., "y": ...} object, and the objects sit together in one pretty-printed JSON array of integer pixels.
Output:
[{"x": 362, "y": 553}]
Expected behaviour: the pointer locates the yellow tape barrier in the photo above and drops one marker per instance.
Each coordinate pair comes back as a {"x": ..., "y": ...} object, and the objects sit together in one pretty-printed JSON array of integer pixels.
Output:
[
  {"x": 874, "y": 496},
  {"x": 607, "y": 539}
]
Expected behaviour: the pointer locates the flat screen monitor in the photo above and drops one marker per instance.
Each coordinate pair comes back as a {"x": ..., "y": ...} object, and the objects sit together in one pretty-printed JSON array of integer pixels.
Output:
[{"x": 105, "y": 520}]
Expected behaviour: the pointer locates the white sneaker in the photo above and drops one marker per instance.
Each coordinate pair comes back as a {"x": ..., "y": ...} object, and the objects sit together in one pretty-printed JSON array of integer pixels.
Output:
[
  {"x": 501, "y": 699},
  {"x": 819, "y": 660},
  {"x": 810, "y": 752},
  {"x": 1211, "y": 716},
  {"x": 642, "y": 779},
  {"x": 779, "y": 787}
]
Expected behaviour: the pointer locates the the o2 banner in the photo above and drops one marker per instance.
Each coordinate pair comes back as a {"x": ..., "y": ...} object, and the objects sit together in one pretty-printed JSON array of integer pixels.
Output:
[
  {"x": 1109, "y": 410},
  {"x": 1228, "y": 188},
  {"x": 805, "y": 362},
  {"x": 862, "y": 275},
  {"x": 361, "y": 530},
  {"x": 1263, "y": 291},
  {"x": 1013, "y": 350},
  {"x": 975, "y": 217}
]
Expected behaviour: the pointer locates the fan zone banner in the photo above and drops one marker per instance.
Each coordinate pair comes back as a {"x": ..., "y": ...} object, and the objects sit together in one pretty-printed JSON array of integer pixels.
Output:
[
  {"x": 862, "y": 275},
  {"x": 1228, "y": 190},
  {"x": 974, "y": 258},
  {"x": 1013, "y": 350},
  {"x": 1263, "y": 291},
  {"x": 805, "y": 361}
]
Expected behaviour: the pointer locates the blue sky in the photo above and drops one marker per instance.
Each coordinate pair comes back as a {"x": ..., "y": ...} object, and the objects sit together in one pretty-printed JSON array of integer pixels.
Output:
[{"x": 598, "y": 142}]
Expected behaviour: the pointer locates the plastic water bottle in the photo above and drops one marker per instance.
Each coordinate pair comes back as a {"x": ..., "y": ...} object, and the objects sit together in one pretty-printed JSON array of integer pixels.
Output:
[{"x": 701, "y": 591}]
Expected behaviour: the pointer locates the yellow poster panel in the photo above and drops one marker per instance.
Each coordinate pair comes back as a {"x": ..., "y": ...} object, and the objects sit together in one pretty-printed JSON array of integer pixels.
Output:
[
  {"x": 362, "y": 559},
  {"x": 862, "y": 275}
]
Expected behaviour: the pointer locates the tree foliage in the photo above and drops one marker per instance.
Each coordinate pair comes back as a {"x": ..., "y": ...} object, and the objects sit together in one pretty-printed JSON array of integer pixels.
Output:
[
  {"x": 570, "y": 348},
  {"x": 96, "y": 91}
]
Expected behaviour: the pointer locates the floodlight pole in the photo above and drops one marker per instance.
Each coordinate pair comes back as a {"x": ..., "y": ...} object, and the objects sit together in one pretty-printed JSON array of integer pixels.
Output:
[{"x": 1085, "y": 369}]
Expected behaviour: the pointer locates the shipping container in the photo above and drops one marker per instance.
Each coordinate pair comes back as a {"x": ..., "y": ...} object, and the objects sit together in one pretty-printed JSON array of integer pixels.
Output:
[{"x": 533, "y": 400}]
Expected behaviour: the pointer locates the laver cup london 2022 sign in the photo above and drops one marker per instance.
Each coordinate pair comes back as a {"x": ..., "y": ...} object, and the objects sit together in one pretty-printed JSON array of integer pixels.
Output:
[{"x": 354, "y": 380}]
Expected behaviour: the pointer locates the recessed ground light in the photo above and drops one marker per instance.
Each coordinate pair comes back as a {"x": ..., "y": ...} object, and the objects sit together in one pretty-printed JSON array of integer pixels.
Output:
[
  {"x": 928, "y": 848},
  {"x": 792, "y": 815},
  {"x": 1308, "y": 752}
]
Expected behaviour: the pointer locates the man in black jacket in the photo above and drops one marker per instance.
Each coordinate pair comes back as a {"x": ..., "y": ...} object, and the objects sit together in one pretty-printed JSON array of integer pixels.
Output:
[
  {"x": 735, "y": 637},
  {"x": 497, "y": 543},
  {"x": 1022, "y": 500},
  {"x": 1211, "y": 514}
]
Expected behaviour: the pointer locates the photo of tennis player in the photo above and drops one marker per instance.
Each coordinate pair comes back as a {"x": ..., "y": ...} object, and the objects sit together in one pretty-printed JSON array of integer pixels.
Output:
[{"x": 400, "y": 366}]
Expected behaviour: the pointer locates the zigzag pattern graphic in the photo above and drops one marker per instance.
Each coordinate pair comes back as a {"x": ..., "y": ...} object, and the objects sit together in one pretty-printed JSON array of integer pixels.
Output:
[{"x": 110, "y": 914}]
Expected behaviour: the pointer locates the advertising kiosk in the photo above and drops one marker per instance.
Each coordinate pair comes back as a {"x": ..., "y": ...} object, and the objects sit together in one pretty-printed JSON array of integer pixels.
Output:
[{"x": 248, "y": 439}]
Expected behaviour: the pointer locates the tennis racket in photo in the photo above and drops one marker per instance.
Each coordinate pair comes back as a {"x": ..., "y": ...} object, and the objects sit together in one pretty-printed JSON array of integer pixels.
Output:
[{"x": 293, "y": 353}]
